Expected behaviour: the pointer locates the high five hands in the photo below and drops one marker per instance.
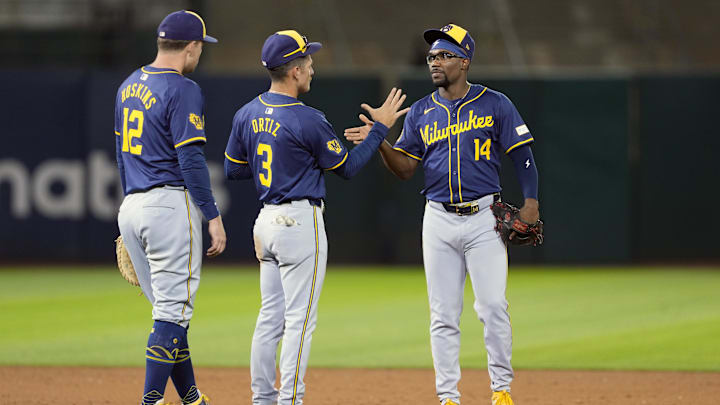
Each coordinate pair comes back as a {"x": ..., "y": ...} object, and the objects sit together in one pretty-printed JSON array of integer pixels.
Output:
[{"x": 386, "y": 114}]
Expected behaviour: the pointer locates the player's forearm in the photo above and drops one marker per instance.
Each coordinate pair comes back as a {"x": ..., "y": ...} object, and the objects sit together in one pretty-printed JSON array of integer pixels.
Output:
[
  {"x": 237, "y": 171},
  {"x": 197, "y": 179},
  {"x": 361, "y": 154},
  {"x": 526, "y": 171},
  {"x": 395, "y": 161},
  {"x": 121, "y": 167}
]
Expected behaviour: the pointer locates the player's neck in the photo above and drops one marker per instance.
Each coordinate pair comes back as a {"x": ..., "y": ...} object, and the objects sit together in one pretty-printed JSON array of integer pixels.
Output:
[
  {"x": 284, "y": 88},
  {"x": 455, "y": 90},
  {"x": 175, "y": 61}
]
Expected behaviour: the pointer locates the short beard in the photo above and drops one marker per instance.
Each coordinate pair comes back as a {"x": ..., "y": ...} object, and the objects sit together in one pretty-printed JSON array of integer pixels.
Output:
[{"x": 444, "y": 83}]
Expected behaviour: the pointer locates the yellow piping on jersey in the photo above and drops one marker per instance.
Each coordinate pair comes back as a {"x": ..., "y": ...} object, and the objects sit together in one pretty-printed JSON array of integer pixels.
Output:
[
  {"x": 339, "y": 164},
  {"x": 409, "y": 154},
  {"x": 307, "y": 315},
  {"x": 458, "y": 138},
  {"x": 157, "y": 73},
  {"x": 519, "y": 144},
  {"x": 242, "y": 162},
  {"x": 449, "y": 149},
  {"x": 278, "y": 105},
  {"x": 201, "y": 21},
  {"x": 197, "y": 138},
  {"x": 117, "y": 133},
  {"x": 187, "y": 203}
]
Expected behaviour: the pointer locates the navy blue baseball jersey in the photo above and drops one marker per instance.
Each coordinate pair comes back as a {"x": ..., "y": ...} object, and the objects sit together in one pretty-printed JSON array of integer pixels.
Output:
[
  {"x": 287, "y": 145},
  {"x": 156, "y": 111},
  {"x": 460, "y": 142}
]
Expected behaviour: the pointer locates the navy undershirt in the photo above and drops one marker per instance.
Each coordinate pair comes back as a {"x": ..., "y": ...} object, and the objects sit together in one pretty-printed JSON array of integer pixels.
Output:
[
  {"x": 197, "y": 179},
  {"x": 526, "y": 171}
]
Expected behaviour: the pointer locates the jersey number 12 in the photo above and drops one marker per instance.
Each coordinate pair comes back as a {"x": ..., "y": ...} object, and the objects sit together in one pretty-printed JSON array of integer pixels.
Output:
[{"x": 130, "y": 133}]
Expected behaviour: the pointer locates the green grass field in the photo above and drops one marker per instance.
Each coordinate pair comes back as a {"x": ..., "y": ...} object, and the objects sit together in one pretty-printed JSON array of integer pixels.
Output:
[{"x": 563, "y": 318}]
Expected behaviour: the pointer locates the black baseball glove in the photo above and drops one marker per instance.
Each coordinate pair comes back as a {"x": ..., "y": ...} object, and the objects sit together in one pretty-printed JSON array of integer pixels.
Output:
[{"x": 508, "y": 221}]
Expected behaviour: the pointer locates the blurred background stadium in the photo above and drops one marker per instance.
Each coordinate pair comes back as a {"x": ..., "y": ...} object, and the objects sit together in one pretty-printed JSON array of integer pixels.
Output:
[{"x": 620, "y": 96}]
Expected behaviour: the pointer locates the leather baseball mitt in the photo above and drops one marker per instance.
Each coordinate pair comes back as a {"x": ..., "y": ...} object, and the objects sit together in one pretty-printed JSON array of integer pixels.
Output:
[
  {"x": 508, "y": 221},
  {"x": 124, "y": 264}
]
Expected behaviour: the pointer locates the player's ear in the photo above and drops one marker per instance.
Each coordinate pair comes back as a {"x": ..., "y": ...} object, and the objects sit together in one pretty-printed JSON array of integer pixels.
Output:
[{"x": 295, "y": 72}]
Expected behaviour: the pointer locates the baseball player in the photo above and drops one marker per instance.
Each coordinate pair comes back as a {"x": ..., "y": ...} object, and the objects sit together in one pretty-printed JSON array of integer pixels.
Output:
[
  {"x": 160, "y": 130},
  {"x": 459, "y": 133},
  {"x": 285, "y": 147}
]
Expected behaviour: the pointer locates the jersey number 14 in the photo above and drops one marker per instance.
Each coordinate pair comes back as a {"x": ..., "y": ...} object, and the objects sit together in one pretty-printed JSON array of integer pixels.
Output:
[{"x": 483, "y": 150}]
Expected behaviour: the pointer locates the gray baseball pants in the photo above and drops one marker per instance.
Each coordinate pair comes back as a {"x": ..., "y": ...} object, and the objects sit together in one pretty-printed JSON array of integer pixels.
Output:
[
  {"x": 291, "y": 245},
  {"x": 454, "y": 246}
]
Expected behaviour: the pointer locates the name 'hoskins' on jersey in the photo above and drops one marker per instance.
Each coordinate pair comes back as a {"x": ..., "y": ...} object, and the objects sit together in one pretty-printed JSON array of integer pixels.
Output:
[
  {"x": 145, "y": 140},
  {"x": 453, "y": 137}
]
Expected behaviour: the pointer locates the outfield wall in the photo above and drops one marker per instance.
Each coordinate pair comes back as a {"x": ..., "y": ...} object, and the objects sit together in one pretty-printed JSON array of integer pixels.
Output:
[{"x": 620, "y": 159}]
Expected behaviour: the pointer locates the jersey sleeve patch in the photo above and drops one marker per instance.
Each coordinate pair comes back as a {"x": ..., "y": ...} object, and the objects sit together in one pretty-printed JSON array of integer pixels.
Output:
[
  {"x": 522, "y": 130},
  {"x": 334, "y": 146},
  {"x": 198, "y": 122}
]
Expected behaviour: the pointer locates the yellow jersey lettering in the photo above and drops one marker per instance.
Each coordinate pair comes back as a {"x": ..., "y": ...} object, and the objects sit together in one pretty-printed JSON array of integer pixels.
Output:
[
  {"x": 150, "y": 103},
  {"x": 254, "y": 126},
  {"x": 431, "y": 134},
  {"x": 277, "y": 126},
  {"x": 130, "y": 133},
  {"x": 140, "y": 91},
  {"x": 261, "y": 124},
  {"x": 146, "y": 97},
  {"x": 265, "y": 150}
]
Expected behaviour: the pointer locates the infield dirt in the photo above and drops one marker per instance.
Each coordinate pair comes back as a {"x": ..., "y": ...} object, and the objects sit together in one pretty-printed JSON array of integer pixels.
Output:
[{"x": 115, "y": 386}]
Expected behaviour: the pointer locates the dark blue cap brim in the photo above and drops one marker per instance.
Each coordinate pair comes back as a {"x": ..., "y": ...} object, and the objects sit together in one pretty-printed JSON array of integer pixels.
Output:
[
  {"x": 210, "y": 39},
  {"x": 313, "y": 47}
]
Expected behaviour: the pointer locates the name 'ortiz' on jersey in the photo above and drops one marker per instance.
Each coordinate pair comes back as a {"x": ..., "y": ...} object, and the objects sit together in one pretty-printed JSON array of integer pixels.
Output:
[
  {"x": 460, "y": 142},
  {"x": 156, "y": 111},
  {"x": 287, "y": 145}
]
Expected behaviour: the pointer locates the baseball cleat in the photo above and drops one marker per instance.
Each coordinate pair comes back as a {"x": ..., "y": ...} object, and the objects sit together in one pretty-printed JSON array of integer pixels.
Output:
[
  {"x": 501, "y": 398},
  {"x": 203, "y": 400},
  {"x": 450, "y": 402}
]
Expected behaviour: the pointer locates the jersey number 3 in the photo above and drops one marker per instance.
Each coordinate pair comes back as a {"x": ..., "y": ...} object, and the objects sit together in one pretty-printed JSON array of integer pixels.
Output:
[
  {"x": 265, "y": 150},
  {"x": 483, "y": 150},
  {"x": 128, "y": 134}
]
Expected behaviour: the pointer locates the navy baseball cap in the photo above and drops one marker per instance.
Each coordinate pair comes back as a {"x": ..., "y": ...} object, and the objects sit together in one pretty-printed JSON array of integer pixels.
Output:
[
  {"x": 284, "y": 46},
  {"x": 184, "y": 25},
  {"x": 456, "y": 35}
]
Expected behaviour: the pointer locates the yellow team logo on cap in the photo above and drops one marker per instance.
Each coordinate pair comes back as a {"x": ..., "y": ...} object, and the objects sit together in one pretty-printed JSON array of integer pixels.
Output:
[
  {"x": 457, "y": 32},
  {"x": 334, "y": 146},
  {"x": 198, "y": 122}
]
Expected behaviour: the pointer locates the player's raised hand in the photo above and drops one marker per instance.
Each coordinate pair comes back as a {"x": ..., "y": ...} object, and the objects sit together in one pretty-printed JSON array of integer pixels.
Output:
[
  {"x": 388, "y": 113},
  {"x": 217, "y": 236},
  {"x": 358, "y": 134}
]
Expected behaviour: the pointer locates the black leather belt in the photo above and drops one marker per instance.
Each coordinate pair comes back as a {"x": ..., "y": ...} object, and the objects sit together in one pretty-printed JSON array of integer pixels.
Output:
[{"x": 470, "y": 208}]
